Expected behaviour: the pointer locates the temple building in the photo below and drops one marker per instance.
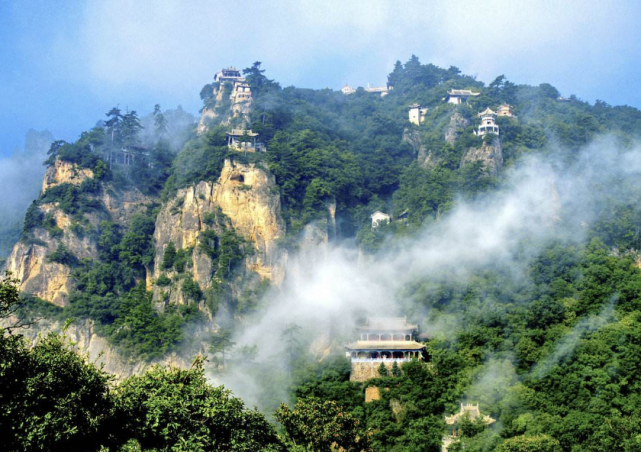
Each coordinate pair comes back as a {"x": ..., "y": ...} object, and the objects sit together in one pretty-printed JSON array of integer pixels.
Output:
[
  {"x": 385, "y": 340},
  {"x": 127, "y": 156},
  {"x": 488, "y": 123},
  {"x": 459, "y": 96},
  {"x": 347, "y": 90},
  {"x": 240, "y": 91},
  {"x": 379, "y": 218},
  {"x": 244, "y": 140},
  {"x": 230, "y": 74},
  {"x": 505, "y": 110},
  {"x": 383, "y": 90},
  {"x": 417, "y": 114}
]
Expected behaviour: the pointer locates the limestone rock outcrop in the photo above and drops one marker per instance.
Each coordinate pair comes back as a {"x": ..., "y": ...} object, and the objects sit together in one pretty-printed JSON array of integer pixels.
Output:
[
  {"x": 456, "y": 125},
  {"x": 28, "y": 260},
  {"x": 84, "y": 338},
  {"x": 489, "y": 153},
  {"x": 246, "y": 194},
  {"x": 65, "y": 173},
  {"x": 224, "y": 110}
]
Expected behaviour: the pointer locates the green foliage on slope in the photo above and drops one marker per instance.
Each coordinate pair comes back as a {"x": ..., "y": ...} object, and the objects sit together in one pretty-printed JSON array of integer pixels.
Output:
[{"x": 553, "y": 355}]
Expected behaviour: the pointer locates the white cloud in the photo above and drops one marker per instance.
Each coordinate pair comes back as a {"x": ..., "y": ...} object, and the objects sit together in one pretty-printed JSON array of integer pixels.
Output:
[{"x": 171, "y": 45}]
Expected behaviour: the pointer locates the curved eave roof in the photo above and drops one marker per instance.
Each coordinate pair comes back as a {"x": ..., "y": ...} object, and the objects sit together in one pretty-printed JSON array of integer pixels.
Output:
[{"x": 385, "y": 345}]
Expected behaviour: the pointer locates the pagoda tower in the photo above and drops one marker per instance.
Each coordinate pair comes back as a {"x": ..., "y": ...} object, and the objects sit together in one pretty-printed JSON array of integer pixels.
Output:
[{"x": 488, "y": 123}]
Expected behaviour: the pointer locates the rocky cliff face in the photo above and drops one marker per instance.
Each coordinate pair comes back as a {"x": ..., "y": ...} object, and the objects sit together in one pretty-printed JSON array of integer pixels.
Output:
[
  {"x": 424, "y": 156},
  {"x": 225, "y": 109},
  {"x": 489, "y": 153},
  {"x": 245, "y": 194},
  {"x": 64, "y": 173},
  {"x": 84, "y": 338},
  {"x": 456, "y": 125},
  {"x": 28, "y": 260}
]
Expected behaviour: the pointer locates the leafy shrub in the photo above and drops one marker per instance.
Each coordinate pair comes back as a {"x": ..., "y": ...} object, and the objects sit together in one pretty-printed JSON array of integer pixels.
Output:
[
  {"x": 183, "y": 259},
  {"x": 163, "y": 281},
  {"x": 62, "y": 255},
  {"x": 191, "y": 289},
  {"x": 33, "y": 218},
  {"x": 169, "y": 257}
]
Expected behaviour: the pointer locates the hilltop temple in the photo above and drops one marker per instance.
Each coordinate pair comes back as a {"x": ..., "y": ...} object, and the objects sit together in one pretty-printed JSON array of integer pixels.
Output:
[
  {"x": 459, "y": 96},
  {"x": 488, "y": 123},
  {"x": 386, "y": 340},
  {"x": 230, "y": 74},
  {"x": 240, "y": 89},
  {"x": 382, "y": 90}
]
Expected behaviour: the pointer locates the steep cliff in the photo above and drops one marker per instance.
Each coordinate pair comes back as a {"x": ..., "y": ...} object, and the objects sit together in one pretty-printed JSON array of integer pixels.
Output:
[
  {"x": 245, "y": 195},
  {"x": 64, "y": 173},
  {"x": 29, "y": 261},
  {"x": 85, "y": 338},
  {"x": 456, "y": 125},
  {"x": 489, "y": 153},
  {"x": 224, "y": 108}
]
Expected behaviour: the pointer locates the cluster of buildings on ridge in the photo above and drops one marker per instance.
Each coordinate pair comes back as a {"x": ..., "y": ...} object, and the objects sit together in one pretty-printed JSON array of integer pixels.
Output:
[
  {"x": 239, "y": 139},
  {"x": 416, "y": 114}
]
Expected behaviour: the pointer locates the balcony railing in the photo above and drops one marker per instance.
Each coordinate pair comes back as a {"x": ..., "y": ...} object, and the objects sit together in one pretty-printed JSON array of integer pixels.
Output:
[{"x": 380, "y": 360}]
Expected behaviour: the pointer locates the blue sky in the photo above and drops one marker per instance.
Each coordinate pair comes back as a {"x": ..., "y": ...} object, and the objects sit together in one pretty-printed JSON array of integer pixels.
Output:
[{"x": 63, "y": 64}]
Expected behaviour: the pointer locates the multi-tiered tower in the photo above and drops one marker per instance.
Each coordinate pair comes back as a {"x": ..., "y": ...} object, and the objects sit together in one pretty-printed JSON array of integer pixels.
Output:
[{"x": 488, "y": 123}]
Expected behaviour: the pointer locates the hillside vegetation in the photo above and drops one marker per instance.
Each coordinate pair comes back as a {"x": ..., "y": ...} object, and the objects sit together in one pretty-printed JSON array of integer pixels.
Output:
[{"x": 550, "y": 348}]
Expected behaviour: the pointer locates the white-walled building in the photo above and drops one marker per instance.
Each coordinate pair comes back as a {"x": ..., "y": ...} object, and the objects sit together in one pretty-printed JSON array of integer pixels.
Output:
[
  {"x": 488, "y": 123},
  {"x": 241, "y": 91},
  {"x": 383, "y": 90},
  {"x": 379, "y": 218},
  {"x": 347, "y": 90},
  {"x": 417, "y": 114},
  {"x": 459, "y": 96}
]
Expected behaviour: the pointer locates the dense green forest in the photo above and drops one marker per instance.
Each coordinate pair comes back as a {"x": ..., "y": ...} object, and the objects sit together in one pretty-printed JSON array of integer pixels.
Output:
[{"x": 553, "y": 354}]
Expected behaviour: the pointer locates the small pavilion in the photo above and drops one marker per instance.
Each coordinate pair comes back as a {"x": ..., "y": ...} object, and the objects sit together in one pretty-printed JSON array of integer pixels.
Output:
[
  {"x": 505, "y": 110},
  {"x": 236, "y": 137}
]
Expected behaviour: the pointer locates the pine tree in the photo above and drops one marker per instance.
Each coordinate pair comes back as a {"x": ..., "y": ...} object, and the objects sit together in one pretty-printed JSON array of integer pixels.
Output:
[
  {"x": 221, "y": 343},
  {"x": 396, "y": 371},
  {"x": 382, "y": 371},
  {"x": 160, "y": 122},
  {"x": 130, "y": 127},
  {"x": 169, "y": 257}
]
